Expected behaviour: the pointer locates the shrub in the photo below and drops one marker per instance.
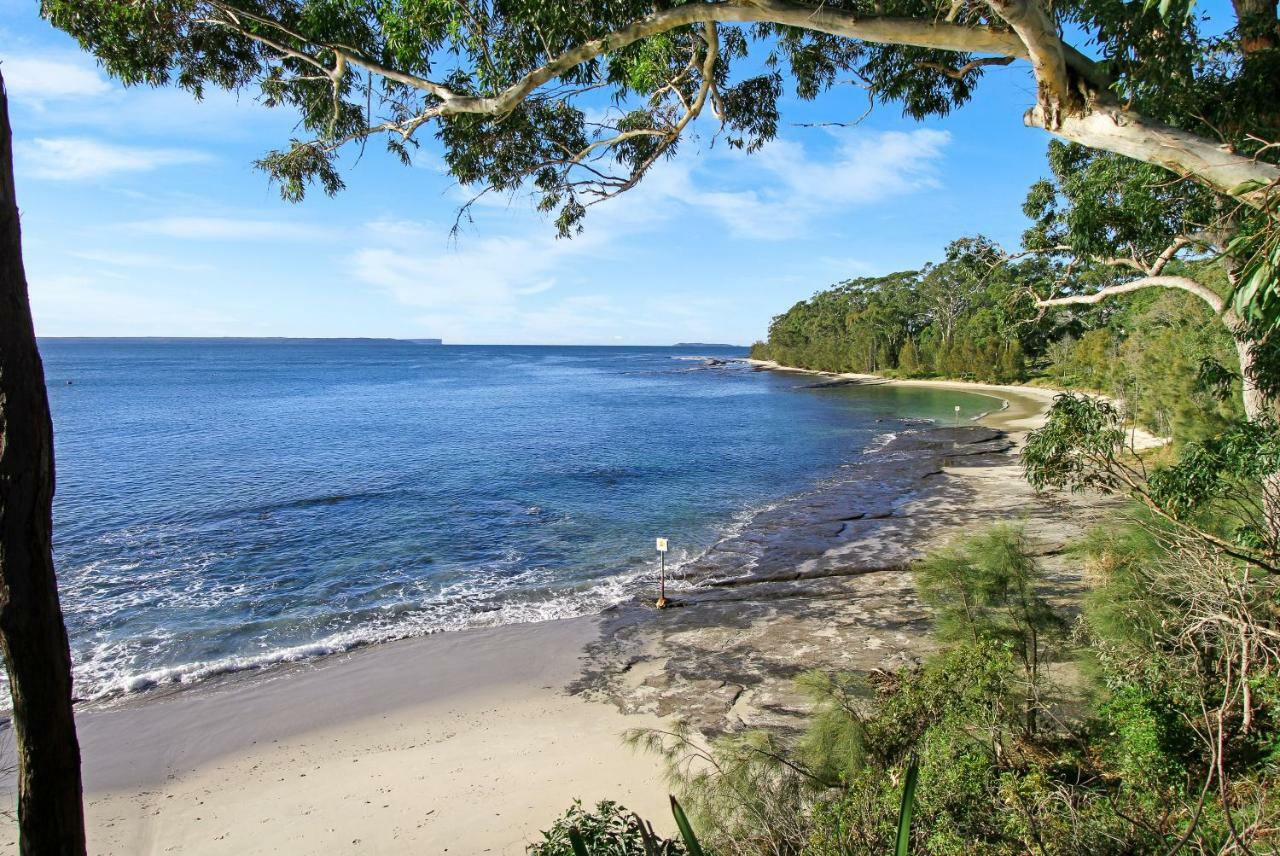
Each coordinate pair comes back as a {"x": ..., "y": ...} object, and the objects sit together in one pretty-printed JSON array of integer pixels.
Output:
[{"x": 609, "y": 830}]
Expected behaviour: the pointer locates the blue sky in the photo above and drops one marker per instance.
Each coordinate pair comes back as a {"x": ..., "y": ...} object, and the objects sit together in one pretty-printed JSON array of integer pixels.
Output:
[{"x": 143, "y": 215}]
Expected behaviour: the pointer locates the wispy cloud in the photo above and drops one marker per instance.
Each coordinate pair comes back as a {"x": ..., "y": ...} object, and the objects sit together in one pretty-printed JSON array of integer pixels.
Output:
[
  {"x": 488, "y": 274},
  {"x": 80, "y": 158},
  {"x": 789, "y": 188},
  {"x": 524, "y": 285},
  {"x": 36, "y": 80},
  {"x": 61, "y": 304},
  {"x": 528, "y": 287},
  {"x": 146, "y": 261},
  {"x": 228, "y": 229}
]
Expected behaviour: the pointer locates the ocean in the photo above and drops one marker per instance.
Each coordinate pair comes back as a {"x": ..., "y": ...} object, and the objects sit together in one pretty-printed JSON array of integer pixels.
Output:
[{"x": 231, "y": 504}]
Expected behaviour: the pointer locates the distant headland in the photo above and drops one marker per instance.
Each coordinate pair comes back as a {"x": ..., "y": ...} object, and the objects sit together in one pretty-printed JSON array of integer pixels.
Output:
[{"x": 705, "y": 345}]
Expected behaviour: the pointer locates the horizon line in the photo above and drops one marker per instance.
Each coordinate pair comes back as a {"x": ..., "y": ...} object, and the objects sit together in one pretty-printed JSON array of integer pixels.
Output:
[{"x": 433, "y": 339}]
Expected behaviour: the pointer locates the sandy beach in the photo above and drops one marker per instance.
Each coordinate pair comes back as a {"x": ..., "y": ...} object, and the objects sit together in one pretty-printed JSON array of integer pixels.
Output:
[
  {"x": 1023, "y": 407},
  {"x": 469, "y": 742},
  {"x": 455, "y": 743}
]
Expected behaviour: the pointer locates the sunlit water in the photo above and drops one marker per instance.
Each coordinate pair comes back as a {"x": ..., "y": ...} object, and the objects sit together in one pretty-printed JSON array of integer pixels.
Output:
[{"x": 229, "y": 504}]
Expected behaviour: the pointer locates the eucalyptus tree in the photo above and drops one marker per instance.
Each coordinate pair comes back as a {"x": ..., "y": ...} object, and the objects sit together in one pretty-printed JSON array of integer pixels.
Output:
[
  {"x": 32, "y": 635},
  {"x": 952, "y": 287},
  {"x": 511, "y": 90},
  {"x": 502, "y": 84},
  {"x": 1118, "y": 227}
]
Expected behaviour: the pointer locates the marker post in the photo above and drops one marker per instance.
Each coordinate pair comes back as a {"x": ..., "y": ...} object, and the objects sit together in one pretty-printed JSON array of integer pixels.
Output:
[{"x": 662, "y": 576}]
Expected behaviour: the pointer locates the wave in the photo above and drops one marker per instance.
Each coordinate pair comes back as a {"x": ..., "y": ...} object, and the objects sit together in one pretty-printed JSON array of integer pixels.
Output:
[{"x": 475, "y": 602}]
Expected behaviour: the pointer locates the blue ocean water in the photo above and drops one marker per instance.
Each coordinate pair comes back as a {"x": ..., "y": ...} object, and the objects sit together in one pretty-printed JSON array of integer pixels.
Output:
[{"x": 230, "y": 504}]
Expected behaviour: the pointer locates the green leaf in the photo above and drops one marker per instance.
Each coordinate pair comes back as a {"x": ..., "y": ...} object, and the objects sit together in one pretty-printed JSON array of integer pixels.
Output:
[
  {"x": 647, "y": 836},
  {"x": 686, "y": 831},
  {"x": 908, "y": 806},
  {"x": 579, "y": 846},
  {"x": 1247, "y": 187}
]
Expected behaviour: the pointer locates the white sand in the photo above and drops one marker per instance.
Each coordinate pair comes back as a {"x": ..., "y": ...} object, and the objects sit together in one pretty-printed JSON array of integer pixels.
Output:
[
  {"x": 1024, "y": 409},
  {"x": 460, "y": 743}
]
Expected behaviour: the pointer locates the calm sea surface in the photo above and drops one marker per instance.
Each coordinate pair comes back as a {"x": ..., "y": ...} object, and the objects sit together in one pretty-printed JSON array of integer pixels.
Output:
[{"x": 230, "y": 504}]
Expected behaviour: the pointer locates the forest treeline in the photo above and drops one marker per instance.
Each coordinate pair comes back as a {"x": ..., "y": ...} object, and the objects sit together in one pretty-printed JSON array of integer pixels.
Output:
[{"x": 972, "y": 316}]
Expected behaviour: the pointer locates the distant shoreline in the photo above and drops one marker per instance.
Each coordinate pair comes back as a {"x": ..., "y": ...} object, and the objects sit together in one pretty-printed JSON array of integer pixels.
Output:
[
  {"x": 376, "y": 339},
  {"x": 1024, "y": 407}
]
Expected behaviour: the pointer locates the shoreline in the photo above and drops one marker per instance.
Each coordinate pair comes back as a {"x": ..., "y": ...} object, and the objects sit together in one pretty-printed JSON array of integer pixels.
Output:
[
  {"x": 1020, "y": 405},
  {"x": 467, "y": 740},
  {"x": 461, "y": 742},
  {"x": 1025, "y": 406}
]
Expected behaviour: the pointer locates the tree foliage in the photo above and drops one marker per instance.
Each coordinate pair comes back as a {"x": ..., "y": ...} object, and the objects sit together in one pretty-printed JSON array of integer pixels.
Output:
[
  {"x": 961, "y": 317},
  {"x": 508, "y": 88}
]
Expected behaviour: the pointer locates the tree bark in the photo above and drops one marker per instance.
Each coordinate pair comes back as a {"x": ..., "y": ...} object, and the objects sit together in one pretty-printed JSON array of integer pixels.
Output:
[
  {"x": 1112, "y": 129},
  {"x": 1256, "y": 21},
  {"x": 33, "y": 637}
]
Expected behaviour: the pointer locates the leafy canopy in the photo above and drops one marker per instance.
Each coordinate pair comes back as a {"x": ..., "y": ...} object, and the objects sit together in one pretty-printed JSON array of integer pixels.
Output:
[
  {"x": 517, "y": 90},
  {"x": 355, "y": 69}
]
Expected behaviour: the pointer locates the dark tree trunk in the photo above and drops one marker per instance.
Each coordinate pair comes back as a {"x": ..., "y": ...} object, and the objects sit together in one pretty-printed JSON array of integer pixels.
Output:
[
  {"x": 1256, "y": 21},
  {"x": 33, "y": 638}
]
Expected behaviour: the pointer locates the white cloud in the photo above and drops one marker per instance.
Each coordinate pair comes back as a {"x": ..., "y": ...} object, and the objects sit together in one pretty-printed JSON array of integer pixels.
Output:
[
  {"x": 487, "y": 274},
  {"x": 512, "y": 288},
  {"x": 77, "y": 158},
  {"x": 35, "y": 80},
  {"x": 793, "y": 189},
  {"x": 526, "y": 286},
  {"x": 228, "y": 229}
]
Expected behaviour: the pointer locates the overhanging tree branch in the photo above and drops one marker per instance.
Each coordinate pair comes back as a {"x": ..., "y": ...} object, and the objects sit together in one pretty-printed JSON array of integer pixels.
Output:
[
  {"x": 1183, "y": 283},
  {"x": 1127, "y": 133},
  {"x": 1088, "y": 120}
]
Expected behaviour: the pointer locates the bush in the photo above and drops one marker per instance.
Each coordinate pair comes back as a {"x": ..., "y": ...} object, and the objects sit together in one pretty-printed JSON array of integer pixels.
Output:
[{"x": 610, "y": 830}]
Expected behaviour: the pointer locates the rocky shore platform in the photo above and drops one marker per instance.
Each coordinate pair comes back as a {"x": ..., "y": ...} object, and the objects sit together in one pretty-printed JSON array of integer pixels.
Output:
[{"x": 822, "y": 581}]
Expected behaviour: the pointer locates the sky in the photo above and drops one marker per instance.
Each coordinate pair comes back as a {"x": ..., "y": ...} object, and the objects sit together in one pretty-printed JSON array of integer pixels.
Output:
[{"x": 143, "y": 215}]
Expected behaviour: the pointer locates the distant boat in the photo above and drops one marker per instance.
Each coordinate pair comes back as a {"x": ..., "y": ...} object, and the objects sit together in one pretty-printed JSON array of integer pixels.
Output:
[{"x": 427, "y": 341}]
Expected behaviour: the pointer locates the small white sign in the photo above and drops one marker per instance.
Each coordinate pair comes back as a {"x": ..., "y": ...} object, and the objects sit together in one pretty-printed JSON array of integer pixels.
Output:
[{"x": 662, "y": 545}]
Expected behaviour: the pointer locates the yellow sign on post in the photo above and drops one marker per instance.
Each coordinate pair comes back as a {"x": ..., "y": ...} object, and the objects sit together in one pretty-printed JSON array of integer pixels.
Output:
[{"x": 662, "y": 545}]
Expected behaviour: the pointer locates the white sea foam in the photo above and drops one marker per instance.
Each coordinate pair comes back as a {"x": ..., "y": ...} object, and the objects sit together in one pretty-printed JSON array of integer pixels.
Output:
[{"x": 478, "y": 601}]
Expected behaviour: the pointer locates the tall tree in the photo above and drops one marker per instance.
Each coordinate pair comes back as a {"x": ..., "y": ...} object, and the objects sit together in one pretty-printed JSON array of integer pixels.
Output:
[
  {"x": 32, "y": 635},
  {"x": 1121, "y": 227}
]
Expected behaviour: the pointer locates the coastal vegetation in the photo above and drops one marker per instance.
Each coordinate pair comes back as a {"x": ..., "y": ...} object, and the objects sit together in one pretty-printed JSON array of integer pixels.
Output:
[
  {"x": 1147, "y": 721},
  {"x": 1182, "y": 114},
  {"x": 972, "y": 316}
]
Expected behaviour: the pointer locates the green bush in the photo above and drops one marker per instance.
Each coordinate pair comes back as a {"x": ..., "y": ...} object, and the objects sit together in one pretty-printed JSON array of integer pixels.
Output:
[{"x": 609, "y": 830}]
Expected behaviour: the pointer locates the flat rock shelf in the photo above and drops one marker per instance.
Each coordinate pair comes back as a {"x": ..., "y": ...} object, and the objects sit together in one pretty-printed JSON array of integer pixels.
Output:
[{"x": 822, "y": 581}]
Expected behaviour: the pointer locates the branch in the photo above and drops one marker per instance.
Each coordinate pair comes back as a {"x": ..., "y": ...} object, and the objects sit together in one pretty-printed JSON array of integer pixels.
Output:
[
  {"x": 1187, "y": 284},
  {"x": 1113, "y": 129},
  {"x": 839, "y": 22},
  {"x": 1169, "y": 252},
  {"x": 1039, "y": 33},
  {"x": 966, "y": 69},
  {"x": 1097, "y": 124}
]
